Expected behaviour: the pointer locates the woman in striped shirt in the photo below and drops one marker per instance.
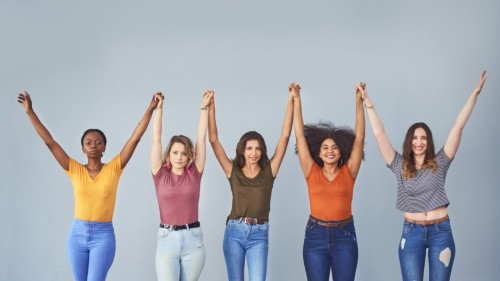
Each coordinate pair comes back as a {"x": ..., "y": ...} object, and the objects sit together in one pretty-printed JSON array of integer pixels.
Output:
[{"x": 421, "y": 174}]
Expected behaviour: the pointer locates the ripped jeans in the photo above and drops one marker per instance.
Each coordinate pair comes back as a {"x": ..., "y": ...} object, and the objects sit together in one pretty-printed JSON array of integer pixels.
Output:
[
  {"x": 415, "y": 241},
  {"x": 180, "y": 254}
]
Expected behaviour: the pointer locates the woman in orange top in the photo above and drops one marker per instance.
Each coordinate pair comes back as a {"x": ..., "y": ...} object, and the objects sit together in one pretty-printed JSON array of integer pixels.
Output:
[
  {"x": 91, "y": 241},
  {"x": 330, "y": 158}
]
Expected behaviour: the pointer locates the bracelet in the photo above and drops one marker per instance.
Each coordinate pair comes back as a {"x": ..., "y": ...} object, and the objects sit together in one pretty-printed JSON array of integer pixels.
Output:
[
  {"x": 140, "y": 125},
  {"x": 204, "y": 108},
  {"x": 369, "y": 106}
]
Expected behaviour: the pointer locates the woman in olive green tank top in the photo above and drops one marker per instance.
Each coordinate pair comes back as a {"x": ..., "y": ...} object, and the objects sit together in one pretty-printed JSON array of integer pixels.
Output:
[{"x": 251, "y": 176}]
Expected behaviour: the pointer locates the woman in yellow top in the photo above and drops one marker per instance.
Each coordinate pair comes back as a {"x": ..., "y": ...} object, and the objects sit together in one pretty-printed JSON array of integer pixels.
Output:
[{"x": 91, "y": 241}]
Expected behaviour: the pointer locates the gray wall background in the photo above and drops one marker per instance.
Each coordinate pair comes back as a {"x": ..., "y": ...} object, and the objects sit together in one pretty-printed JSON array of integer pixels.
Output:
[{"x": 97, "y": 63}]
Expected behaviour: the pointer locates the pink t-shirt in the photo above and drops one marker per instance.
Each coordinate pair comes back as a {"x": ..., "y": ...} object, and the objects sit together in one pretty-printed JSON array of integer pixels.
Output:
[{"x": 178, "y": 196}]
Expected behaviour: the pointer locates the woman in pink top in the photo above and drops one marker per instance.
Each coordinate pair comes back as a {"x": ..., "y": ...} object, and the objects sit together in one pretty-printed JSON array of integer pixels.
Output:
[{"x": 180, "y": 254}]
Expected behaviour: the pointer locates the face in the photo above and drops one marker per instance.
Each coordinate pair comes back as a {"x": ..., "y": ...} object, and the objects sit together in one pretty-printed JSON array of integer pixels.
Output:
[
  {"x": 329, "y": 152},
  {"x": 419, "y": 142},
  {"x": 252, "y": 152},
  {"x": 93, "y": 145},
  {"x": 178, "y": 156}
]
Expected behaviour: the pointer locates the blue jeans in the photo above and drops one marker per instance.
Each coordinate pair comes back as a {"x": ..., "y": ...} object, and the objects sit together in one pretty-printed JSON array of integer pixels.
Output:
[
  {"x": 415, "y": 241},
  {"x": 246, "y": 240},
  {"x": 180, "y": 254},
  {"x": 91, "y": 249},
  {"x": 330, "y": 248}
]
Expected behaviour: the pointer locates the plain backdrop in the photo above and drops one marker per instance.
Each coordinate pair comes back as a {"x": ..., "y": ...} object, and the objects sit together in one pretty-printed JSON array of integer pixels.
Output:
[{"x": 96, "y": 64}]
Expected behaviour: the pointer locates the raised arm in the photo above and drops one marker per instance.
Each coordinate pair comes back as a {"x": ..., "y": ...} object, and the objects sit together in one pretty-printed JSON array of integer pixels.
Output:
[
  {"x": 305, "y": 159},
  {"x": 213, "y": 136},
  {"x": 286, "y": 129},
  {"x": 62, "y": 158},
  {"x": 139, "y": 130},
  {"x": 156, "y": 149},
  {"x": 453, "y": 141},
  {"x": 383, "y": 142},
  {"x": 201, "y": 148},
  {"x": 356, "y": 157}
]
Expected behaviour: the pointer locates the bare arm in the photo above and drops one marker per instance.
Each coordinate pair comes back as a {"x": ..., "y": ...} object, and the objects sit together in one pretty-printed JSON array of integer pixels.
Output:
[
  {"x": 453, "y": 141},
  {"x": 156, "y": 147},
  {"x": 356, "y": 157},
  {"x": 54, "y": 147},
  {"x": 213, "y": 136},
  {"x": 286, "y": 130},
  {"x": 383, "y": 142},
  {"x": 139, "y": 130},
  {"x": 305, "y": 159},
  {"x": 201, "y": 148}
]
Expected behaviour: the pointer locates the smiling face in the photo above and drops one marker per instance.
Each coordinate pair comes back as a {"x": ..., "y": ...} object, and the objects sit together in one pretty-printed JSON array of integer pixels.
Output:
[
  {"x": 93, "y": 145},
  {"x": 252, "y": 152},
  {"x": 329, "y": 152},
  {"x": 419, "y": 142},
  {"x": 178, "y": 156}
]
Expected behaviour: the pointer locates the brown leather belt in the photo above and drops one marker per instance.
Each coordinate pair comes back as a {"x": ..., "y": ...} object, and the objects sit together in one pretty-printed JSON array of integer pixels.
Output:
[
  {"x": 436, "y": 221},
  {"x": 331, "y": 223},
  {"x": 252, "y": 220}
]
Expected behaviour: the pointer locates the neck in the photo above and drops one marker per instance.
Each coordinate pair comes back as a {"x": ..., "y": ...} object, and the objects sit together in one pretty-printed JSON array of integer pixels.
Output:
[
  {"x": 177, "y": 171},
  {"x": 331, "y": 168},
  {"x": 419, "y": 160}
]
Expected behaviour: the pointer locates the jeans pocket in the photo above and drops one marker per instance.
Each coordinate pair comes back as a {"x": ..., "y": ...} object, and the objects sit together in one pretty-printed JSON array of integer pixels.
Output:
[
  {"x": 349, "y": 229},
  {"x": 310, "y": 225},
  {"x": 444, "y": 226},
  {"x": 407, "y": 228},
  {"x": 263, "y": 227},
  {"x": 163, "y": 233},
  {"x": 197, "y": 232}
]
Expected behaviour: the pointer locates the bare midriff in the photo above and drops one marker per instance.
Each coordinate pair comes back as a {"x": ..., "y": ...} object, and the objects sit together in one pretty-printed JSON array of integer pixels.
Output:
[{"x": 435, "y": 214}]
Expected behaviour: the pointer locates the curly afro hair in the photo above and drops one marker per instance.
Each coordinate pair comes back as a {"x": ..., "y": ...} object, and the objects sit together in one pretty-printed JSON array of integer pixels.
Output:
[{"x": 316, "y": 133}]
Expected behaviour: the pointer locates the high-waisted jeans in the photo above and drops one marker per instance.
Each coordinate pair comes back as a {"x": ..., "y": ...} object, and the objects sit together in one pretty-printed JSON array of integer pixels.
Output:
[
  {"x": 416, "y": 240},
  {"x": 332, "y": 249},
  {"x": 246, "y": 240},
  {"x": 91, "y": 249},
  {"x": 180, "y": 254}
]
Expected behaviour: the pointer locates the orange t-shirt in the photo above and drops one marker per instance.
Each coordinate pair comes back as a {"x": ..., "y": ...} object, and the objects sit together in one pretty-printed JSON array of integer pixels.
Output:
[{"x": 330, "y": 200}]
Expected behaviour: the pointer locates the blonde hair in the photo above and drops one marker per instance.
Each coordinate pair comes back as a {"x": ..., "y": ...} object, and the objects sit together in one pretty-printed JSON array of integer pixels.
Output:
[{"x": 188, "y": 144}]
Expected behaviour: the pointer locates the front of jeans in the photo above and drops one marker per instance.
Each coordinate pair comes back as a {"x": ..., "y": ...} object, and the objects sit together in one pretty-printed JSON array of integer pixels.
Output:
[
  {"x": 250, "y": 241},
  {"x": 91, "y": 249},
  {"x": 180, "y": 254},
  {"x": 416, "y": 240},
  {"x": 332, "y": 249}
]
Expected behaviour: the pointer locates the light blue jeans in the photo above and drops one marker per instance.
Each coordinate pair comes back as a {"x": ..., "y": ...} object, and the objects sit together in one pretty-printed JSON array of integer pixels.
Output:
[
  {"x": 91, "y": 249},
  {"x": 180, "y": 254},
  {"x": 246, "y": 240},
  {"x": 416, "y": 240}
]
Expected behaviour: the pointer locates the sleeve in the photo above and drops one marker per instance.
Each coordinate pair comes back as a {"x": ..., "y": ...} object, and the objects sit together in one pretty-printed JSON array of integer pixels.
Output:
[
  {"x": 73, "y": 167},
  {"x": 116, "y": 164},
  {"x": 442, "y": 160},
  {"x": 396, "y": 165}
]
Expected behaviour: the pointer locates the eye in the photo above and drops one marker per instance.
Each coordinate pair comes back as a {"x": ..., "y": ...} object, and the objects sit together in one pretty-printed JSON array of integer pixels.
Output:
[
  {"x": 98, "y": 142},
  {"x": 87, "y": 142},
  {"x": 184, "y": 154}
]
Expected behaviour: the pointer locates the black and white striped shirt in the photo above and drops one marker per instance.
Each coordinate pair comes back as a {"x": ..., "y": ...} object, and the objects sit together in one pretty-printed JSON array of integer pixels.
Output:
[{"x": 425, "y": 191}]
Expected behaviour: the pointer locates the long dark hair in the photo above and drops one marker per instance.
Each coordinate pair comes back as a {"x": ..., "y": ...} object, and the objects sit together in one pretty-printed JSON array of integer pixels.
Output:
[
  {"x": 409, "y": 169},
  {"x": 316, "y": 133},
  {"x": 239, "y": 160}
]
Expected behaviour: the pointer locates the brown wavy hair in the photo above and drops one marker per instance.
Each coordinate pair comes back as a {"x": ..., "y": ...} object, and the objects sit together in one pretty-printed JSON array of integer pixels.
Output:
[
  {"x": 239, "y": 160},
  {"x": 409, "y": 169}
]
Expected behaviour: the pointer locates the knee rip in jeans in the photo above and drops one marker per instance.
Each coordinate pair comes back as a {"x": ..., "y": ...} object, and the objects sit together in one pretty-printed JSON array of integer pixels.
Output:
[
  {"x": 445, "y": 256},
  {"x": 403, "y": 241}
]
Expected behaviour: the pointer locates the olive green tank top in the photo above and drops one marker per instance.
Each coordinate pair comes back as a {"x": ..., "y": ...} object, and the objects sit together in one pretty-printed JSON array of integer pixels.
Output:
[{"x": 251, "y": 196}]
